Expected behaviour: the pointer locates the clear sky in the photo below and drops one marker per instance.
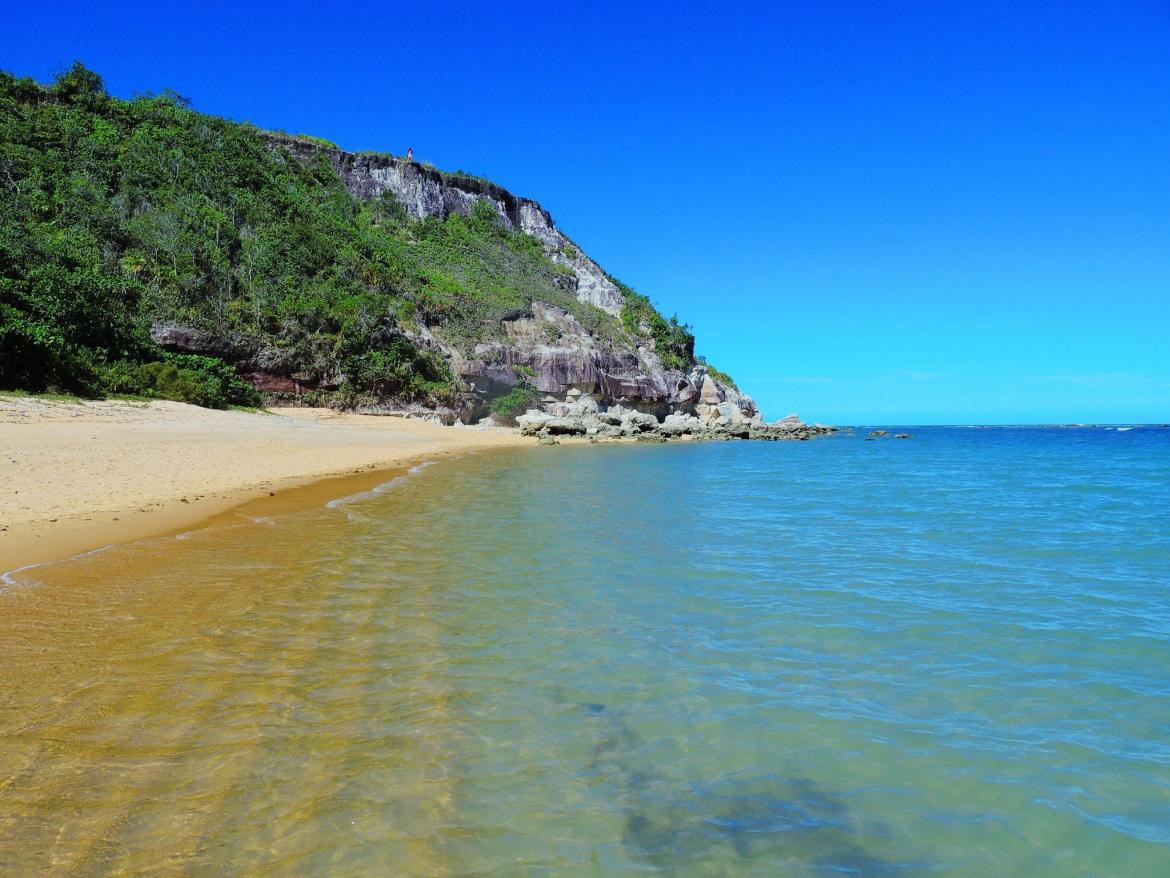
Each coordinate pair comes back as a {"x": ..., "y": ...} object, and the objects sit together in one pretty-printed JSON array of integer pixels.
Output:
[{"x": 913, "y": 212}]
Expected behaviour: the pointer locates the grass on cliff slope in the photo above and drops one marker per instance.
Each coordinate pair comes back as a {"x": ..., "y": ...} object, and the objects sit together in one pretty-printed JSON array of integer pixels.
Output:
[
  {"x": 471, "y": 273},
  {"x": 115, "y": 214},
  {"x": 673, "y": 341}
]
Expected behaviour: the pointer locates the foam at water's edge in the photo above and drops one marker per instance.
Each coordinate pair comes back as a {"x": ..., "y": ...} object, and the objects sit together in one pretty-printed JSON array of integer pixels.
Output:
[
  {"x": 7, "y": 578},
  {"x": 339, "y": 502}
]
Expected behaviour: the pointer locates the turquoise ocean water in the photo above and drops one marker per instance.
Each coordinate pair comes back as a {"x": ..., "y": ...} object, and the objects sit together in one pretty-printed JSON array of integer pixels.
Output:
[{"x": 942, "y": 656}]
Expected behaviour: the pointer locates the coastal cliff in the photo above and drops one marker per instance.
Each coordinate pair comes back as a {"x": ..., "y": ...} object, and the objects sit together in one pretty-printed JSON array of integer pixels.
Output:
[
  {"x": 156, "y": 251},
  {"x": 540, "y": 345}
]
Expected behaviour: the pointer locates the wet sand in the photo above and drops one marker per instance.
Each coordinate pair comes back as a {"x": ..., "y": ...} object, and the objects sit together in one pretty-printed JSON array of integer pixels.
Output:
[{"x": 75, "y": 476}]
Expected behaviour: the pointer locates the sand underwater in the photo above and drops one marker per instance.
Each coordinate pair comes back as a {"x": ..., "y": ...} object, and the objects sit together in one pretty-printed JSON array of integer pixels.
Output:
[{"x": 946, "y": 656}]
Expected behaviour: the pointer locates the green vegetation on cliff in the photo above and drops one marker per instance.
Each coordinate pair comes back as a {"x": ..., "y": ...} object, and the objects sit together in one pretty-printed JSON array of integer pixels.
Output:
[
  {"x": 119, "y": 215},
  {"x": 673, "y": 341},
  {"x": 516, "y": 401},
  {"x": 718, "y": 374}
]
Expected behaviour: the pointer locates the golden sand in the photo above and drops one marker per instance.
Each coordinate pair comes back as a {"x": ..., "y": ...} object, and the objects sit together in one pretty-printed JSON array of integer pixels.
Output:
[{"x": 75, "y": 476}]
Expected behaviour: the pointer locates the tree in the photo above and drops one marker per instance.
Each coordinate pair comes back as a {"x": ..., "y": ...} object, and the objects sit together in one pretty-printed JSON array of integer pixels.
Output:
[{"x": 79, "y": 84}]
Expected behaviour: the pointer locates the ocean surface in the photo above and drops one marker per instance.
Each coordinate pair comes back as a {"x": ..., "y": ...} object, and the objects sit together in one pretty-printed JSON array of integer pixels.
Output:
[{"x": 948, "y": 655}]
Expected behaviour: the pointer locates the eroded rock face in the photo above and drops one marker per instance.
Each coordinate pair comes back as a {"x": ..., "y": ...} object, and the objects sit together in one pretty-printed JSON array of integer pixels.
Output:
[
  {"x": 425, "y": 191},
  {"x": 578, "y": 374},
  {"x": 186, "y": 340},
  {"x": 577, "y": 363},
  {"x": 709, "y": 394}
]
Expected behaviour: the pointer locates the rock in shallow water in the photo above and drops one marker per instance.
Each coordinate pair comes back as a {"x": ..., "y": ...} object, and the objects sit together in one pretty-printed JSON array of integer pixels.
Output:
[{"x": 618, "y": 422}]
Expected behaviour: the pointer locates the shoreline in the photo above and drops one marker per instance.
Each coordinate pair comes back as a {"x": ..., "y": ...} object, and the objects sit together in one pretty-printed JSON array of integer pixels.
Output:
[{"x": 81, "y": 476}]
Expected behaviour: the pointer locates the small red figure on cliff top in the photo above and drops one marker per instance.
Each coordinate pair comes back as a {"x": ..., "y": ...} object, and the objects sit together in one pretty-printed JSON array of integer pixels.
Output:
[{"x": 410, "y": 153}]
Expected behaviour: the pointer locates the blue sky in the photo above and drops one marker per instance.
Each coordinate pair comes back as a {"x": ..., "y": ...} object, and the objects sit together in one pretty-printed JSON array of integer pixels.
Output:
[{"x": 872, "y": 213}]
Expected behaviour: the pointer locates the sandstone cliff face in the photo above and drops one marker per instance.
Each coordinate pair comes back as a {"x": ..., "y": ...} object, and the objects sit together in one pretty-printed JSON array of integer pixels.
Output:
[
  {"x": 424, "y": 192},
  {"x": 546, "y": 345}
]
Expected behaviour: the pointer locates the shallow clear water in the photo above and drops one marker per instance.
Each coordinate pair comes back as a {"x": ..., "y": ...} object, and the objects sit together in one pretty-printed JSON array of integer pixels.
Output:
[{"x": 942, "y": 656}]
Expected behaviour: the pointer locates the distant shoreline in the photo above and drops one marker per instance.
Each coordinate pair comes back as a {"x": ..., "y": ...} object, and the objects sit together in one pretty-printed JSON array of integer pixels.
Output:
[{"x": 78, "y": 476}]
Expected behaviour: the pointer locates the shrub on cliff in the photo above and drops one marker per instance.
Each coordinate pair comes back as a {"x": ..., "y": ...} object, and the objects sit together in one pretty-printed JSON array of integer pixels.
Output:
[
  {"x": 515, "y": 402},
  {"x": 673, "y": 341},
  {"x": 198, "y": 380}
]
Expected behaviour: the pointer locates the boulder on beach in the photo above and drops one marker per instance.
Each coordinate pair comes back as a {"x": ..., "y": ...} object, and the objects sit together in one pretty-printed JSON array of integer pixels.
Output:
[
  {"x": 564, "y": 427},
  {"x": 532, "y": 421},
  {"x": 638, "y": 422}
]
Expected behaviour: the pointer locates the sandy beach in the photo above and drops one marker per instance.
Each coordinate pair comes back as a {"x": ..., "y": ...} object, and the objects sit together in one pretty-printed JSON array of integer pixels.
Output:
[{"x": 75, "y": 476}]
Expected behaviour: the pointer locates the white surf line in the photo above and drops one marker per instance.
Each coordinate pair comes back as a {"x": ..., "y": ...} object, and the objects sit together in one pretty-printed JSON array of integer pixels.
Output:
[
  {"x": 339, "y": 502},
  {"x": 7, "y": 578}
]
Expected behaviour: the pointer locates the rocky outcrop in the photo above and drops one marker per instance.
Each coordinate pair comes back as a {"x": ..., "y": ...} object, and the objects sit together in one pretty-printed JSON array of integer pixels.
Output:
[
  {"x": 578, "y": 418},
  {"x": 550, "y": 350},
  {"x": 187, "y": 340},
  {"x": 268, "y": 369}
]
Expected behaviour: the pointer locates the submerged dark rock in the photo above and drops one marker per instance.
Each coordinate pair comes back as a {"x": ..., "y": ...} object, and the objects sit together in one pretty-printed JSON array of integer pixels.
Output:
[{"x": 673, "y": 822}]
